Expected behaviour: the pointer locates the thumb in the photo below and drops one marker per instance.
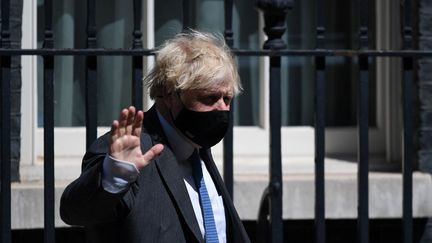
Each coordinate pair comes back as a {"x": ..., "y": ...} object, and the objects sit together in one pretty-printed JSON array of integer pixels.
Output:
[{"x": 153, "y": 152}]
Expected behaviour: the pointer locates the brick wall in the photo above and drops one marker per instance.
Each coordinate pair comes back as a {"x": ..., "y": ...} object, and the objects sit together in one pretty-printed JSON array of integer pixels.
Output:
[
  {"x": 15, "y": 27},
  {"x": 425, "y": 87}
]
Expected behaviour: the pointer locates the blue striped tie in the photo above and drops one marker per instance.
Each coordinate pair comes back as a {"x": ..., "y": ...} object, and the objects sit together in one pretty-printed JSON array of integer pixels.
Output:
[{"x": 211, "y": 235}]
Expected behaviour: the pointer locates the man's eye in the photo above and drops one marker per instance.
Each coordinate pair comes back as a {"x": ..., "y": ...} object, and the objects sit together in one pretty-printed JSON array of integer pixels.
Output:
[
  {"x": 213, "y": 99},
  {"x": 208, "y": 100},
  {"x": 227, "y": 99}
]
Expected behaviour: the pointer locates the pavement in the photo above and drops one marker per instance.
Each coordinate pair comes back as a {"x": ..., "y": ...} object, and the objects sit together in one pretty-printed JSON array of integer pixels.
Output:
[{"x": 250, "y": 180}]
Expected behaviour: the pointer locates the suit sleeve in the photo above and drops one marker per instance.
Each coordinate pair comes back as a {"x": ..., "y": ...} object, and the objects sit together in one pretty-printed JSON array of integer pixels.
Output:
[{"x": 84, "y": 202}]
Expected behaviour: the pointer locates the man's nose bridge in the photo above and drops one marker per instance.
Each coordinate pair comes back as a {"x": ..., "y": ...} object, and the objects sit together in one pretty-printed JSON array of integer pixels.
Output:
[{"x": 221, "y": 105}]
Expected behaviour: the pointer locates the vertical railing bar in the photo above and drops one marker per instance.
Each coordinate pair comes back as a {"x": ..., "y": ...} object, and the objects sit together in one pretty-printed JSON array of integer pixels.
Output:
[
  {"x": 228, "y": 150},
  {"x": 320, "y": 227},
  {"x": 49, "y": 232},
  {"x": 275, "y": 151},
  {"x": 186, "y": 15},
  {"x": 320, "y": 129},
  {"x": 91, "y": 76},
  {"x": 5, "y": 125},
  {"x": 363, "y": 126},
  {"x": 137, "y": 61},
  {"x": 228, "y": 33},
  {"x": 363, "y": 156},
  {"x": 274, "y": 17},
  {"x": 408, "y": 63},
  {"x": 407, "y": 151}
]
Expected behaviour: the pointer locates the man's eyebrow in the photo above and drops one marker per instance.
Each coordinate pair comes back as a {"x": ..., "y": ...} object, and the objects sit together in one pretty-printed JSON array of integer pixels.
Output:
[
  {"x": 210, "y": 91},
  {"x": 215, "y": 91}
]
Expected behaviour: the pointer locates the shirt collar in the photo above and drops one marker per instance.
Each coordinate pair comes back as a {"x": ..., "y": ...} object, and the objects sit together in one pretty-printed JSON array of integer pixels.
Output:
[{"x": 181, "y": 147}]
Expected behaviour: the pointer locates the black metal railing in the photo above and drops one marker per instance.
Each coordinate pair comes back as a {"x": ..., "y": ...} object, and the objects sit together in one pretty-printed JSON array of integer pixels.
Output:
[
  {"x": 363, "y": 129},
  {"x": 5, "y": 133},
  {"x": 319, "y": 109},
  {"x": 91, "y": 76},
  {"x": 270, "y": 215},
  {"x": 408, "y": 151},
  {"x": 48, "y": 118},
  {"x": 228, "y": 151}
]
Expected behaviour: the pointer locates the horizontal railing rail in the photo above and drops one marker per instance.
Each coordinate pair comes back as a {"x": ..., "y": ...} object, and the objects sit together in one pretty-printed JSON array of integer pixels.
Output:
[{"x": 237, "y": 52}]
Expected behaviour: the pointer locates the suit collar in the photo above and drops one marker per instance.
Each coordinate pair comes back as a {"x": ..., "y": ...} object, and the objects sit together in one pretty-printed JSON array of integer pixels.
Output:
[
  {"x": 153, "y": 127},
  {"x": 180, "y": 146}
]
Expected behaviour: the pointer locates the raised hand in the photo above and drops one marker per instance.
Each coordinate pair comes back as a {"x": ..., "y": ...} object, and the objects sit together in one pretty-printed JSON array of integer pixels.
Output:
[{"x": 125, "y": 139}]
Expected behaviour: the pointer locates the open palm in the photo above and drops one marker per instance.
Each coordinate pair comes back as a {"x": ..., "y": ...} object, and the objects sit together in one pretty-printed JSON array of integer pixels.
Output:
[{"x": 125, "y": 141}]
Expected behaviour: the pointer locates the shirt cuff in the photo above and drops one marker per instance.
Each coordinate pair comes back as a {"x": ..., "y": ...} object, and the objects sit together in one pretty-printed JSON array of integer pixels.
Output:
[{"x": 117, "y": 174}]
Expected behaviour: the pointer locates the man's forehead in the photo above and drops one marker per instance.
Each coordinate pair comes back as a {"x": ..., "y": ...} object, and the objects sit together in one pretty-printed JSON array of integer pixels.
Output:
[{"x": 226, "y": 89}]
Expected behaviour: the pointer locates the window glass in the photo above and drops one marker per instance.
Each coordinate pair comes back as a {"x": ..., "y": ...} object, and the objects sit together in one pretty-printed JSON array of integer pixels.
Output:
[
  {"x": 114, "y": 30},
  {"x": 298, "y": 77}
]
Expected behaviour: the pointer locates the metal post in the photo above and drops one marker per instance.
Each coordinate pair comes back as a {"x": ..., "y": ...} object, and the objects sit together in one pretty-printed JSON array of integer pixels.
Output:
[
  {"x": 49, "y": 232},
  {"x": 228, "y": 33},
  {"x": 91, "y": 76},
  {"x": 363, "y": 133},
  {"x": 228, "y": 171},
  {"x": 274, "y": 17},
  {"x": 407, "y": 89},
  {"x": 137, "y": 61},
  {"x": 186, "y": 14},
  {"x": 5, "y": 127},
  {"x": 320, "y": 85}
]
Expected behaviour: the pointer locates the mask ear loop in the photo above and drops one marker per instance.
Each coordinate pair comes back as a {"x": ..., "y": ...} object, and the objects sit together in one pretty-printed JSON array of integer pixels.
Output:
[
  {"x": 179, "y": 97},
  {"x": 181, "y": 102}
]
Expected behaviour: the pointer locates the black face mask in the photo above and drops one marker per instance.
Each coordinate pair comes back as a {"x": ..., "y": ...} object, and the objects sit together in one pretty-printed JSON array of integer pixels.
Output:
[{"x": 203, "y": 128}]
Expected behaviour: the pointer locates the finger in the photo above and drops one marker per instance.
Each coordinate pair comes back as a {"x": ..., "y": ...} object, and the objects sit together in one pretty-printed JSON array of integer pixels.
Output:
[
  {"x": 130, "y": 119},
  {"x": 113, "y": 134},
  {"x": 123, "y": 121},
  {"x": 153, "y": 152},
  {"x": 114, "y": 130},
  {"x": 136, "y": 128}
]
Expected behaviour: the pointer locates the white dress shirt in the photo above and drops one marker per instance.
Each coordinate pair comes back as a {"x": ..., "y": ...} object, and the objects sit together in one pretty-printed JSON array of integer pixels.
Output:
[{"x": 117, "y": 175}]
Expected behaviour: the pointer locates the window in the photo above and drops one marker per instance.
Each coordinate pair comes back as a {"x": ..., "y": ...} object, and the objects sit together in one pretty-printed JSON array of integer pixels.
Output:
[{"x": 114, "y": 21}]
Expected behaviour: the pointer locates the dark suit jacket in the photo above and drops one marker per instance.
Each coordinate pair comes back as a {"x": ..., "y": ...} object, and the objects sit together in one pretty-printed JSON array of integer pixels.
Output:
[{"x": 156, "y": 208}]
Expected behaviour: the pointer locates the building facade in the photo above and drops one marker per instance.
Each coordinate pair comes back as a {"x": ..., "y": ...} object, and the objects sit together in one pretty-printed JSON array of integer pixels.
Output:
[{"x": 251, "y": 144}]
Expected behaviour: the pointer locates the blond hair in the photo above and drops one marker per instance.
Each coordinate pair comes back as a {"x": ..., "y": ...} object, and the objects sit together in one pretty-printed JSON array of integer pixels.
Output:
[{"x": 192, "y": 60}]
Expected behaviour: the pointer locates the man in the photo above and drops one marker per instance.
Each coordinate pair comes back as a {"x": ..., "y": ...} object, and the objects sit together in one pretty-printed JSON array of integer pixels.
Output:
[{"x": 153, "y": 179}]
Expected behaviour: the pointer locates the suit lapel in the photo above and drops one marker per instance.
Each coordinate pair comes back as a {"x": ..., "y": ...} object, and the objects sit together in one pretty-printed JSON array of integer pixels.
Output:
[
  {"x": 168, "y": 168},
  {"x": 212, "y": 169}
]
